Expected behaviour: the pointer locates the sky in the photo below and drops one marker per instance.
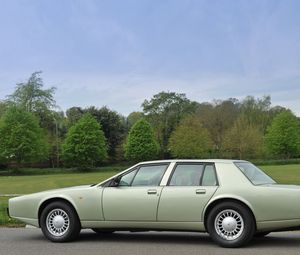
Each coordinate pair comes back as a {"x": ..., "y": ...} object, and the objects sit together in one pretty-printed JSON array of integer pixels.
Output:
[{"x": 120, "y": 52}]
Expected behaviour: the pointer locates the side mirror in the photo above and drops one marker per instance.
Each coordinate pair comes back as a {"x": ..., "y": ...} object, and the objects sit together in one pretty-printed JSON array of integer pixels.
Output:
[{"x": 116, "y": 181}]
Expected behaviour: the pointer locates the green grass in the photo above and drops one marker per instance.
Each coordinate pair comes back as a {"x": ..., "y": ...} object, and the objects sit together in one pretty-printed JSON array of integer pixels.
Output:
[
  {"x": 35, "y": 183},
  {"x": 289, "y": 174}
]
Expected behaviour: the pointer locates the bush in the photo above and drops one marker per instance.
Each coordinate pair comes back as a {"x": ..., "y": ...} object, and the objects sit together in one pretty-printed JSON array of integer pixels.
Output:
[
  {"x": 85, "y": 143},
  {"x": 141, "y": 144},
  {"x": 22, "y": 139}
]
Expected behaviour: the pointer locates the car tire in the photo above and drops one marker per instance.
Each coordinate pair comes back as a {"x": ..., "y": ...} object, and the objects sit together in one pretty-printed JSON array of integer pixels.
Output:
[
  {"x": 101, "y": 231},
  {"x": 230, "y": 224},
  {"x": 59, "y": 222},
  {"x": 261, "y": 234}
]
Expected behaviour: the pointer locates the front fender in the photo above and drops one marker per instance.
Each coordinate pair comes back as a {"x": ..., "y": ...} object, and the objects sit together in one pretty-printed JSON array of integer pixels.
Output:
[{"x": 87, "y": 202}]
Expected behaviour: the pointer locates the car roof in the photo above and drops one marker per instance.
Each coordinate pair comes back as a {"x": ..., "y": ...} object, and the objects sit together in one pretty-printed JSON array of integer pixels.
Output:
[
  {"x": 227, "y": 161},
  {"x": 193, "y": 160}
]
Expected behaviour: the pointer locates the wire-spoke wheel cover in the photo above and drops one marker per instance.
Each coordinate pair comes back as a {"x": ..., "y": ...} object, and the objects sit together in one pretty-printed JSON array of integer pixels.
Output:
[
  {"x": 229, "y": 224},
  {"x": 57, "y": 222}
]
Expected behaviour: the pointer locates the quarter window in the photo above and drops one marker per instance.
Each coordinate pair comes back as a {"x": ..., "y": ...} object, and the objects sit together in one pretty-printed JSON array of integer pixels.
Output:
[
  {"x": 254, "y": 174},
  {"x": 187, "y": 175},
  {"x": 127, "y": 178},
  {"x": 209, "y": 176},
  {"x": 150, "y": 175}
]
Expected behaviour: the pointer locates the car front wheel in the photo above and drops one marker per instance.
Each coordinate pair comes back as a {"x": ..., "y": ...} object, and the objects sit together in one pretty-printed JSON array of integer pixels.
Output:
[
  {"x": 230, "y": 224},
  {"x": 59, "y": 222}
]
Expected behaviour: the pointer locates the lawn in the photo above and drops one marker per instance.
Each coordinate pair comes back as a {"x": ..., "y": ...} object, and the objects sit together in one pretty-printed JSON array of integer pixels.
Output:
[
  {"x": 289, "y": 174},
  {"x": 35, "y": 183}
]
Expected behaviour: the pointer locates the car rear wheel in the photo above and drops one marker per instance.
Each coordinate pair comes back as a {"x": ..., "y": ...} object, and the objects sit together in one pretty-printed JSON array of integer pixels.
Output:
[
  {"x": 230, "y": 224},
  {"x": 59, "y": 222}
]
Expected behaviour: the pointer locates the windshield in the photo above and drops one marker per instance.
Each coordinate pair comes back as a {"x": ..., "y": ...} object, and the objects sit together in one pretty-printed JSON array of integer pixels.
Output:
[{"x": 254, "y": 174}]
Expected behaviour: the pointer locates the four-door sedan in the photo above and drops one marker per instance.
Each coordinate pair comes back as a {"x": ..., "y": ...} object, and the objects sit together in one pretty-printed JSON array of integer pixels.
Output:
[{"x": 232, "y": 200}]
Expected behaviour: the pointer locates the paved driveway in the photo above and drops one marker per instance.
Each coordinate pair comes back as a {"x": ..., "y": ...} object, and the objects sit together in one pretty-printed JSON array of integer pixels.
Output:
[{"x": 21, "y": 241}]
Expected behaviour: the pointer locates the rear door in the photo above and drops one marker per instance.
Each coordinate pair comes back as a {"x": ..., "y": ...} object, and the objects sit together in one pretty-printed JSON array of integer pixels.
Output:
[{"x": 190, "y": 187}]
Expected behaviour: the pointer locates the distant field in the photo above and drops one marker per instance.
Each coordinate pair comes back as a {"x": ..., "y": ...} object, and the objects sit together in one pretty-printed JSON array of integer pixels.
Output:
[
  {"x": 34, "y": 183},
  {"x": 289, "y": 174}
]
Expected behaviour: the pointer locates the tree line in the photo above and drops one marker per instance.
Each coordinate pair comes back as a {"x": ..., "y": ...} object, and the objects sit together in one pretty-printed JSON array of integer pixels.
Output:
[{"x": 33, "y": 131}]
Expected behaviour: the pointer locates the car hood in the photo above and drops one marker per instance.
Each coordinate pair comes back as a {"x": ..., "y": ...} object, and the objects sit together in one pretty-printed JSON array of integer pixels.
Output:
[
  {"x": 69, "y": 188},
  {"x": 61, "y": 190}
]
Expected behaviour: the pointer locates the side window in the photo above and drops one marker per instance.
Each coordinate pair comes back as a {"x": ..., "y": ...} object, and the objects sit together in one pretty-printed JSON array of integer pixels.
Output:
[
  {"x": 187, "y": 175},
  {"x": 150, "y": 175},
  {"x": 127, "y": 178},
  {"x": 209, "y": 177}
]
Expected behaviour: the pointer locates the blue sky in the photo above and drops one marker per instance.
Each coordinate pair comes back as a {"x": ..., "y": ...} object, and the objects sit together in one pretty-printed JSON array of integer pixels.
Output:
[{"x": 118, "y": 53}]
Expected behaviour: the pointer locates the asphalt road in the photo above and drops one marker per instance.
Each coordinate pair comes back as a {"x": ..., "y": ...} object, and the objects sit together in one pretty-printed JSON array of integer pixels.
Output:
[{"x": 22, "y": 241}]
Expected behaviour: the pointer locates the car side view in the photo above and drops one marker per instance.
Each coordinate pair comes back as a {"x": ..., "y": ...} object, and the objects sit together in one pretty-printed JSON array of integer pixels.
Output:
[{"x": 232, "y": 200}]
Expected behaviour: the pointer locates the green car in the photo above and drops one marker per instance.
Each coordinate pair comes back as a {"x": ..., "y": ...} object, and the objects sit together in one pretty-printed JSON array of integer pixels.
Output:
[{"x": 232, "y": 200}]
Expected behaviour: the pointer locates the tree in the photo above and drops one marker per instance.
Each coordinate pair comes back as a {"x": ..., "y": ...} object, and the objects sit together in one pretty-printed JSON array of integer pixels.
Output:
[
  {"x": 21, "y": 138},
  {"x": 190, "y": 139},
  {"x": 57, "y": 130},
  {"x": 112, "y": 123},
  {"x": 32, "y": 97},
  {"x": 283, "y": 136},
  {"x": 141, "y": 144},
  {"x": 113, "y": 126},
  {"x": 133, "y": 117},
  {"x": 217, "y": 118},
  {"x": 85, "y": 143},
  {"x": 73, "y": 115},
  {"x": 164, "y": 111},
  {"x": 257, "y": 111},
  {"x": 243, "y": 140},
  {"x": 3, "y": 108}
]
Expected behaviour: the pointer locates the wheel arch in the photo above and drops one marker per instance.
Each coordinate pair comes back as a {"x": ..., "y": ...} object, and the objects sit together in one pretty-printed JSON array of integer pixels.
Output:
[
  {"x": 50, "y": 200},
  {"x": 213, "y": 203}
]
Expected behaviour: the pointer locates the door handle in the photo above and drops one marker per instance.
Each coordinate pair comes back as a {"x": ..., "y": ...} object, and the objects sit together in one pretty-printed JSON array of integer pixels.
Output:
[
  {"x": 152, "y": 191},
  {"x": 200, "y": 191}
]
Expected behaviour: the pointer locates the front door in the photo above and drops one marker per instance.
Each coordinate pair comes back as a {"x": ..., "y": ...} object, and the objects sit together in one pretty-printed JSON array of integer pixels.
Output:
[
  {"x": 136, "y": 198},
  {"x": 190, "y": 187}
]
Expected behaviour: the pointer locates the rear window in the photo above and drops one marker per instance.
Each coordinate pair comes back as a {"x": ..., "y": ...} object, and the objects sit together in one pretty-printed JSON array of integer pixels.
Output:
[{"x": 254, "y": 174}]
